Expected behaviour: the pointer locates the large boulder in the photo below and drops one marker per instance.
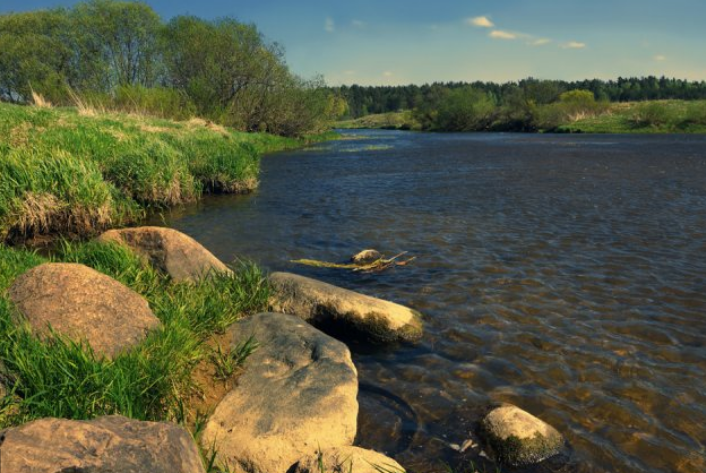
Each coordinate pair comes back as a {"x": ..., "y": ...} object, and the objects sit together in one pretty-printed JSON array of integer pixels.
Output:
[
  {"x": 347, "y": 460},
  {"x": 104, "y": 445},
  {"x": 322, "y": 303},
  {"x": 516, "y": 437},
  {"x": 169, "y": 251},
  {"x": 83, "y": 304},
  {"x": 298, "y": 393}
]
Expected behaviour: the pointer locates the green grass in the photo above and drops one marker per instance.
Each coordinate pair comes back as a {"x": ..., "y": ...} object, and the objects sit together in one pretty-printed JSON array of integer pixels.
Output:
[
  {"x": 60, "y": 378},
  {"x": 64, "y": 172},
  {"x": 665, "y": 116},
  {"x": 389, "y": 121}
]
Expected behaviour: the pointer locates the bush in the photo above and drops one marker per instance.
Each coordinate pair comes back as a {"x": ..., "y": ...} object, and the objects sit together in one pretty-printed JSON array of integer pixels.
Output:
[
  {"x": 653, "y": 114},
  {"x": 696, "y": 113}
]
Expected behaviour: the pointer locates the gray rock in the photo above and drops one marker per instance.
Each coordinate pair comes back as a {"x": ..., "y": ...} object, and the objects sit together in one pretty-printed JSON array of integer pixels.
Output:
[
  {"x": 104, "y": 445},
  {"x": 169, "y": 251},
  {"x": 83, "y": 304},
  {"x": 346, "y": 460},
  {"x": 298, "y": 393},
  {"x": 516, "y": 437},
  {"x": 319, "y": 302}
]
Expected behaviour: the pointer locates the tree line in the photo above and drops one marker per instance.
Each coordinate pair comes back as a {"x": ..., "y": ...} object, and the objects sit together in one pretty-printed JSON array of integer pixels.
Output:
[
  {"x": 120, "y": 54},
  {"x": 364, "y": 100}
]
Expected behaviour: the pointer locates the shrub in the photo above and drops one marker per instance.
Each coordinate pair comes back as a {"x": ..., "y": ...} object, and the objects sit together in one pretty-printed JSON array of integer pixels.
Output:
[{"x": 652, "y": 114}]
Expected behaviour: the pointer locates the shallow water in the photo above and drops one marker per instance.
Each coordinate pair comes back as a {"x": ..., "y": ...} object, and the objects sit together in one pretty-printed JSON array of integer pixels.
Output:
[{"x": 564, "y": 274}]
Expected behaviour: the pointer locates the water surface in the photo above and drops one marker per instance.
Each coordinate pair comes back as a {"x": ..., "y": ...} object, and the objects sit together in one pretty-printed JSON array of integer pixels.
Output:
[{"x": 564, "y": 274}]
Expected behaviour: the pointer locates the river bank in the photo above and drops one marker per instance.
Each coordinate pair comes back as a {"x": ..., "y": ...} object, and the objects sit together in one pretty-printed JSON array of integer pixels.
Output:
[
  {"x": 649, "y": 117},
  {"x": 70, "y": 173}
]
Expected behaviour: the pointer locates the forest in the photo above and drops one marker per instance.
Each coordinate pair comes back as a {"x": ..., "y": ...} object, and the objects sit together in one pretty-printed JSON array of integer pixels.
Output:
[
  {"x": 118, "y": 55},
  {"x": 530, "y": 105}
]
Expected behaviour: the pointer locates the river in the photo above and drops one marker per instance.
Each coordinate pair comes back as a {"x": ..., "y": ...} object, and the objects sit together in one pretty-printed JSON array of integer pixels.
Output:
[{"x": 565, "y": 274}]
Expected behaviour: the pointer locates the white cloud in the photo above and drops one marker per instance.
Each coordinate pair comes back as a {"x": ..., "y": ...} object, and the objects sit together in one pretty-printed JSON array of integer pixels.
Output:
[
  {"x": 358, "y": 24},
  {"x": 660, "y": 57},
  {"x": 329, "y": 25},
  {"x": 574, "y": 45},
  {"x": 540, "y": 42},
  {"x": 480, "y": 21},
  {"x": 500, "y": 34},
  {"x": 387, "y": 74}
]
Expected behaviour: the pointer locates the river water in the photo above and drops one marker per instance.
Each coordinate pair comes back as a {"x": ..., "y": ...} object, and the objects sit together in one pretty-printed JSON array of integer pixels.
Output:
[{"x": 565, "y": 274}]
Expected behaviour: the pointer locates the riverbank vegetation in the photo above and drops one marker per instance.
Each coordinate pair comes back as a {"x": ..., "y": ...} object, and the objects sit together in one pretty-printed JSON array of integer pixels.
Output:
[
  {"x": 121, "y": 56},
  {"x": 68, "y": 171},
  {"x": 575, "y": 111},
  {"x": 56, "y": 377}
]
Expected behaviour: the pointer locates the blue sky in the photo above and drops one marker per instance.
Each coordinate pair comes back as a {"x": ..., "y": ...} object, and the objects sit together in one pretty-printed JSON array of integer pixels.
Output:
[{"x": 411, "y": 41}]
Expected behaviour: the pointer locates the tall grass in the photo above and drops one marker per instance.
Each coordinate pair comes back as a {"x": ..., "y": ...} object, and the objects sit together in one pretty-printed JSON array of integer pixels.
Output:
[
  {"x": 60, "y": 378},
  {"x": 63, "y": 172}
]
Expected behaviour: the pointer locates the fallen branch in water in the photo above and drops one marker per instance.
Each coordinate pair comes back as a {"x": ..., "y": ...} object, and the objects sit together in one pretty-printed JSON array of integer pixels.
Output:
[{"x": 376, "y": 266}]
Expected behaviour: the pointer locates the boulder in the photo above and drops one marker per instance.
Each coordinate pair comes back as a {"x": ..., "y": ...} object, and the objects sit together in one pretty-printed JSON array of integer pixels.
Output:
[
  {"x": 83, "y": 304},
  {"x": 171, "y": 252},
  {"x": 366, "y": 256},
  {"x": 104, "y": 445},
  {"x": 322, "y": 303},
  {"x": 298, "y": 393},
  {"x": 516, "y": 437},
  {"x": 346, "y": 460}
]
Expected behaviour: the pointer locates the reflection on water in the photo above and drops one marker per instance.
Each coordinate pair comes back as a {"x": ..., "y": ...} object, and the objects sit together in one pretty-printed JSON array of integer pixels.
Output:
[{"x": 564, "y": 274}]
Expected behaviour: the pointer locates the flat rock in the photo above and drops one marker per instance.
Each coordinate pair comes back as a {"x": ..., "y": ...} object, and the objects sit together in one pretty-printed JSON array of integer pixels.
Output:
[
  {"x": 169, "y": 251},
  {"x": 322, "y": 303},
  {"x": 517, "y": 437},
  {"x": 346, "y": 460},
  {"x": 83, "y": 304},
  {"x": 104, "y": 445},
  {"x": 298, "y": 393}
]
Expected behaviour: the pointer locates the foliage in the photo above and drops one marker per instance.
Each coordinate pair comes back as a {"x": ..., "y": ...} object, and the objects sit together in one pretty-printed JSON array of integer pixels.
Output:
[
  {"x": 365, "y": 100},
  {"x": 653, "y": 114},
  {"x": 121, "y": 56},
  {"x": 61, "y": 378},
  {"x": 68, "y": 173}
]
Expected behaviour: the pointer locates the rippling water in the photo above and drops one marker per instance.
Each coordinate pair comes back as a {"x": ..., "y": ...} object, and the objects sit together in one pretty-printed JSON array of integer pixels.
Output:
[{"x": 564, "y": 274}]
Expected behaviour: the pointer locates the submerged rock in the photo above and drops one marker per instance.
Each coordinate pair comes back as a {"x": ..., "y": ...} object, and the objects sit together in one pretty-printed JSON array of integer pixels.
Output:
[
  {"x": 298, "y": 393},
  {"x": 104, "y": 445},
  {"x": 516, "y": 437},
  {"x": 169, "y": 251},
  {"x": 83, "y": 304},
  {"x": 366, "y": 256},
  {"x": 319, "y": 302},
  {"x": 346, "y": 460}
]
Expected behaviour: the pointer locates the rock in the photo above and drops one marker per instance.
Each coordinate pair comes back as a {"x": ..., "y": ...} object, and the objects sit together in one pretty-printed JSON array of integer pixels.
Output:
[
  {"x": 169, "y": 251},
  {"x": 83, "y": 304},
  {"x": 298, "y": 393},
  {"x": 322, "y": 303},
  {"x": 107, "y": 444},
  {"x": 348, "y": 459},
  {"x": 517, "y": 437},
  {"x": 366, "y": 256}
]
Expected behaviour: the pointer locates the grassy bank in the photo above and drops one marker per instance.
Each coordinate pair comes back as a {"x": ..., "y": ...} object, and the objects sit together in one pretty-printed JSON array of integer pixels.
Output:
[
  {"x": 155, "y": 381},
  {"x": 65, "y": 172},
  {"x": 382, "y": 121},
  {"x": 664, "y": 116}
]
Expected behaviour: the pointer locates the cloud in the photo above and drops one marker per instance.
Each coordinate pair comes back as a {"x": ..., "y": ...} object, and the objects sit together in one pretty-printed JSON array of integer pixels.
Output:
[
  {"x": 480, "y": 21},
  {"x": 574, "y": 45},
  {"x": 500, "y": 34},
  {"x": 540, "y": 42},
  {"x": 387, "y": 74},
  {"x": 358, "y": 24},
  {"x": 329, "y": 25},
  {"x": 660, "y": 57}
]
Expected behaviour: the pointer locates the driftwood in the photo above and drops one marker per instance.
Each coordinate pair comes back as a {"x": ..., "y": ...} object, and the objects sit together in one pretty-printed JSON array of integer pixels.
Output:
[{"x": 380, "y": 264}]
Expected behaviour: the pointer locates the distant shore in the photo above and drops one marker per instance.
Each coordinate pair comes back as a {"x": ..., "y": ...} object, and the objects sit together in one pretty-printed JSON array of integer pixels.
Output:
[{"x": 649, "y": 117}]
